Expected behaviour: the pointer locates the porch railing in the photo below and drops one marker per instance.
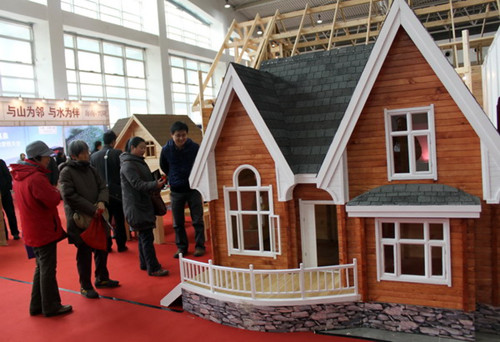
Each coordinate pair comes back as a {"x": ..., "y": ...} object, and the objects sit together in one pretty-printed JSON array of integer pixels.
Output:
[{"x": 259, "y": 284}]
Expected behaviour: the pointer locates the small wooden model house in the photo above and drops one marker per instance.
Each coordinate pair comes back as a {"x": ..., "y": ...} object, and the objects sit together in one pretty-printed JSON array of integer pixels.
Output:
[{"x": 376, "y": 153}]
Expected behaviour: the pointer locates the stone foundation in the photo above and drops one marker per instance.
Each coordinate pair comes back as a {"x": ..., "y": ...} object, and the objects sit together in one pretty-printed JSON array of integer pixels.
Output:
[
  {"x": 393, "y": 317},
  {"x": 487, "y": 319}
]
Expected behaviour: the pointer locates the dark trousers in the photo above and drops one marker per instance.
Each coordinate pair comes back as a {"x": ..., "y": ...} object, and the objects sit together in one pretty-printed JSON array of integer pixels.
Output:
[
  {"x": 84, "y": 265},
  {"x": 115, "y": 209},
  {"x": 178, "y": 201},
  {"x": 147, "y": 253},
  {"x": 8, "y": 207},
  {"x": 45, "y": 292}
]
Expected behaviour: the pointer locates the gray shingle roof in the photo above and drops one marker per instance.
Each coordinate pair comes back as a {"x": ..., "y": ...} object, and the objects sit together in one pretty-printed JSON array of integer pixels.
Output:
[
  {"x": 302, "y": 99},
  {"x": 414, "y": 195}
]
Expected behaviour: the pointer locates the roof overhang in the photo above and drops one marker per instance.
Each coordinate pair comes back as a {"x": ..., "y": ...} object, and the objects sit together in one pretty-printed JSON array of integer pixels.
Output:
[{"x": 416, "y": 211}]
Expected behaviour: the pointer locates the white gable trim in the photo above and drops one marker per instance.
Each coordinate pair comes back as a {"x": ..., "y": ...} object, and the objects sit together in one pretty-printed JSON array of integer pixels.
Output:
[
  {"x": 417, "y": 211},
  {"x": 204, "y": 172},
  {"x": 401, "y": 15}
]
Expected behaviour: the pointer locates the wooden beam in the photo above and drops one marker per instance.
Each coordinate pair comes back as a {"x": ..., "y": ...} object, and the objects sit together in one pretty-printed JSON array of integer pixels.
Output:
[
  {"x": 247, "y": 38},
  {"x": 332, "y": 31},
  {"x": 215, "y": 62},
  {"x": 264, "y": 42},
  {"x": 297, "y": 37}
]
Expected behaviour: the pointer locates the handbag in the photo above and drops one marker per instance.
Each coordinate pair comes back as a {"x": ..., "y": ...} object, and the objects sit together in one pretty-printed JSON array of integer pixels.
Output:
[
  {"x": 159, "y": 206},
  {"x": 96, "y": 235},
  {"x": 83, "y": 221}
]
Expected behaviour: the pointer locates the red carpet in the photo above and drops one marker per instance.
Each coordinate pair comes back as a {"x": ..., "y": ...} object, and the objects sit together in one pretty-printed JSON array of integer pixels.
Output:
[{"x": 106, "y": 319}]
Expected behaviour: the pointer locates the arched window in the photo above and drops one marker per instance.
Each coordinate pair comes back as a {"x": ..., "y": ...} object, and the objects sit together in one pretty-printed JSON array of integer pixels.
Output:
[{"x": 252, "y": 227}]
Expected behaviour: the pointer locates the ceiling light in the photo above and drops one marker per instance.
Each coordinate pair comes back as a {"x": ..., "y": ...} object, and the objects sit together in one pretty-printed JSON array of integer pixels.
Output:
[
  {"x": 259, "y": 32},
  {"x": 319, "y": 21},
  {"x": 227, "y": 5}
]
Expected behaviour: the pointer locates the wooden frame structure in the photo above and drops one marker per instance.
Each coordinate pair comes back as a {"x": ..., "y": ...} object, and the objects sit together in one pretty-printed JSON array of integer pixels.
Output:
[{"x": 350, "y": 22}]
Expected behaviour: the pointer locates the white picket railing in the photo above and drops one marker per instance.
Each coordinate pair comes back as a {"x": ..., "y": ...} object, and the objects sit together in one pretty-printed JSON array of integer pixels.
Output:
[{"x": 299, "y": 283}]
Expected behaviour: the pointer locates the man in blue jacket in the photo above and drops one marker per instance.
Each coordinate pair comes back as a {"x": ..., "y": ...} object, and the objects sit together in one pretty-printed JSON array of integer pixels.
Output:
[{"x": 176, "y": 161}]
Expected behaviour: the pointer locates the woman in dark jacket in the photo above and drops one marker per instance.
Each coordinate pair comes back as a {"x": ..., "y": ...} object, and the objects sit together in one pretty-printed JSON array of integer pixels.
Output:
[
  {"x": 137, "y": 185},
  {"x": 84, "y": 192}
]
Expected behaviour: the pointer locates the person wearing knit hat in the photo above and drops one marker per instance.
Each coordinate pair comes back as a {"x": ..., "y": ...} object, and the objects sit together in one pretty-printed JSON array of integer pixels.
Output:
[{"x": 37, "y": 202}]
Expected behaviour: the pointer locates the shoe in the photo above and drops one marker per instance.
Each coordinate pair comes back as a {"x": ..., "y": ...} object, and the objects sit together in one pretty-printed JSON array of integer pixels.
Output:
[
  {"x": 64, "y": 309},
  {"x": 90, "y": 293},
  {"x": 198, "y": 252},
  {"x": 122, "y": 249},
  {"x": 16, "y": 237},
  {"x": 179, "y": 251},
  {"x": 144, "y": 268},
  {"x": 106, "y": 283},
  {"x": 160, "y": 273}
]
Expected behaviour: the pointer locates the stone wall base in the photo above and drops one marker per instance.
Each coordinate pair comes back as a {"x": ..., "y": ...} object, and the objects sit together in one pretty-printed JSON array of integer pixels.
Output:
[{"x": 413, "y": 319}]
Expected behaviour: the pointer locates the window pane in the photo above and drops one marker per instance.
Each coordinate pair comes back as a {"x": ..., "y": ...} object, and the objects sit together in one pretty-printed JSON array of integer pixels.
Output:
[
  {"x": 92, "y": 90},
  {"x": 248, "y": 200},
  {"x": 436, "y": 231},
  {"x": 419, "y": 121},
  {"x": 91, "y": 78},
  {"x": 70, "y": 58},
  {"x": 71, "y": 76},
  {"x": 15, "y": 30},
  {"x": 18, "y": 85},
  {"x": 192, "y": 77},
  {"x": 139, "y": 83},
  {"x": 178, "y": 75},
  {"x": 113, "y": 80},
  {"x": 176, "y": 61},
  {"x": 246, "y": 177},
  {"x": 179, "y": 97},
  {"x": 15, "y": 50},
  {"x": 115, "y": 92},
  {"x": 138, "y": 107},
  {"x": 266, "y": 233},
  {"x": 113, "y": 65},
  {"x": 388, "y": 230},
  {"x": 421, "y": 153},
  {"x": 89, "y": 61},
  {"x": 137, "y": 94},
  {"x": 87, "y": 44},
  {"x": 399, "y": 123},
  {"x": 135, "y": 68},
  {"x": 250, "y": 232},
  {"x": 134, "y": 53},
  {"x": 17, "y": 70},
  {"x": 412, "y": 231},
  {"x": 388, "y": 259},
  {"x": 401, "y": 162},
  {"x": 437, "y": 261},
  {"x": 264, "y": 200},
  {"x": 234, "y": 230},
  {"x": 112, "y": 49},
  {"x": 412, "y": 260},
  {"x": 68, "y": 41}
]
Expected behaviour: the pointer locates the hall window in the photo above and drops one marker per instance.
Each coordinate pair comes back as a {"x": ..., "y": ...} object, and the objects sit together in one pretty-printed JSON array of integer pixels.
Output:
[
  {"x": 411, "y": 143},
  {"x": 127, "y": 13},
  {"x": 413, "y": 250},
  {"x": 150, "y": 149},
  {"x": 99, "y": 69},
  {"x": 185, "y": 84},
  {"x": 252, "y": 226},
  {"x": 17, "y": 67},
  {"x": 187, "y": 24}
]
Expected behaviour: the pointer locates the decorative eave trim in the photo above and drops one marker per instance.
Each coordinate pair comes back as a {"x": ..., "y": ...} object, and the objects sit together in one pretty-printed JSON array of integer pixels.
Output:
[
  {"x": 233, "y": 85},
  {"x": 401, "y": 15},
  {"x": 415, "y": 211}
]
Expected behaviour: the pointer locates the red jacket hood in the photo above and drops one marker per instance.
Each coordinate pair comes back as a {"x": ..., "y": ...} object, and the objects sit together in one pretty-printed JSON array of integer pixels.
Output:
[{"x": 21, "y": 171}]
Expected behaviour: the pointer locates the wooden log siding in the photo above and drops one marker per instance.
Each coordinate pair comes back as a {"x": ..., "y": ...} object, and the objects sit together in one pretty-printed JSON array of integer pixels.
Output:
[
  {"x": 406, "y": 80},
  {"x": 239, "y": 143}
]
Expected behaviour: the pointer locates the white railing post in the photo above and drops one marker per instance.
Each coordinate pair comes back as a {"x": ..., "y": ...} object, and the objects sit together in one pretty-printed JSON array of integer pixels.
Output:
[
  {"x": 302, "y": 281},
  {"x": 181, "y": 267},
  {"x": 252, "y": 281},
  {"x": 211, "y": 275},
  {"x": 355, "y": 262}
]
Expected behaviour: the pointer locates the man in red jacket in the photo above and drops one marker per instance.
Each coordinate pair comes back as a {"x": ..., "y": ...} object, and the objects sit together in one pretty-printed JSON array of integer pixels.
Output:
[{"x": 37, "y": 202}]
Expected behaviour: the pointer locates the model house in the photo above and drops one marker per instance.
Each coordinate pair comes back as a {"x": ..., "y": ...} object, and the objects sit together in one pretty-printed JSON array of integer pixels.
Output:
[{"x": 373, "y": 156}]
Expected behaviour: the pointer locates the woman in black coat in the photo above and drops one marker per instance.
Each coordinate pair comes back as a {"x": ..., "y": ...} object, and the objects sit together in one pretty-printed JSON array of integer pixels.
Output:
[
  {"x": 84, "y": 192},
  {"x": 137, "y": 185}
]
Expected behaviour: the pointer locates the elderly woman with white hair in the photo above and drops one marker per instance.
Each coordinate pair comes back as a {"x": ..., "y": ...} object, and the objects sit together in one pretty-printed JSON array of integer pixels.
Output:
[{"x": 84, "y": 192}]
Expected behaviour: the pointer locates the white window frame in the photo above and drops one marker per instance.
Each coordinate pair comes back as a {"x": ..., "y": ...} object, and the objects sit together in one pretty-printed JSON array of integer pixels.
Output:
[
  {"x": 430, "y": 132},
  {"x": 274, "y": 221},
  {"x": 396, "y": 242}
]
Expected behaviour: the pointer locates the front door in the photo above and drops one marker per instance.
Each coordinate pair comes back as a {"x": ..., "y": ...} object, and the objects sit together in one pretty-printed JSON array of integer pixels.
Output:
[{"x": 318, "y": 220}]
